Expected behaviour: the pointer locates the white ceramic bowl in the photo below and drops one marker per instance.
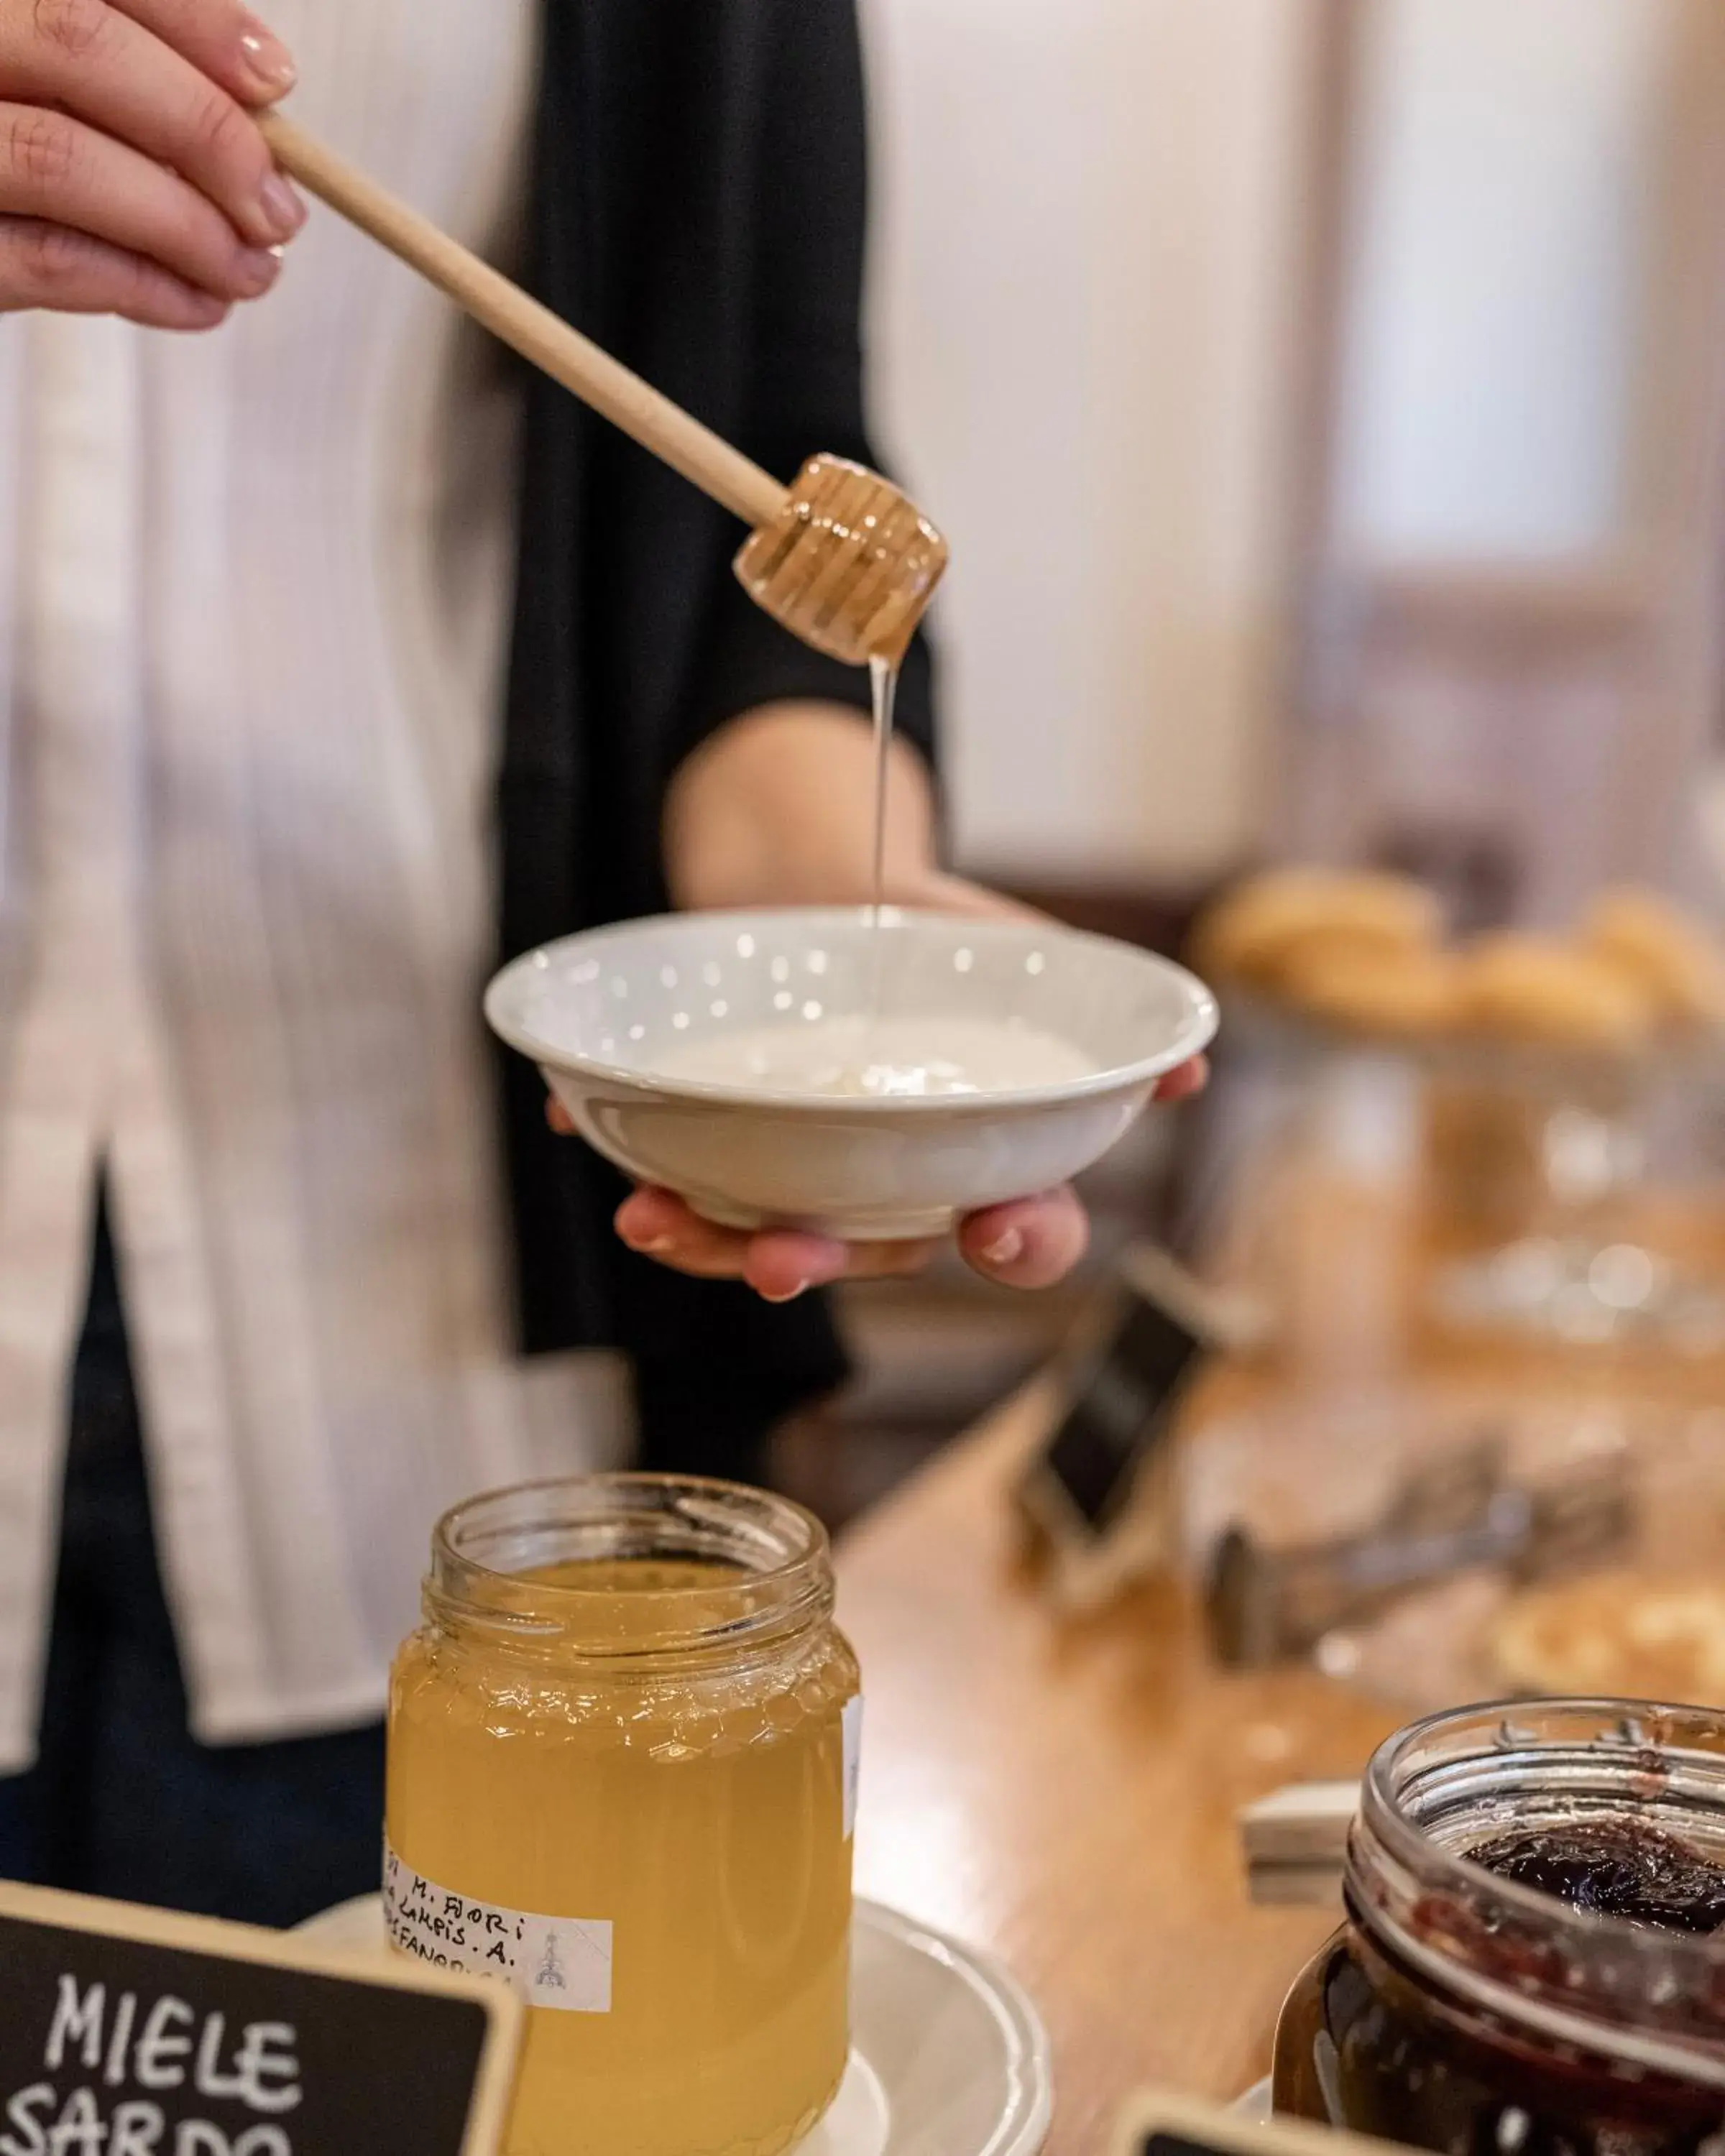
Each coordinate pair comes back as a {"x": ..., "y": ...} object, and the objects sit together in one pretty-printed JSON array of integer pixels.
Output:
[{"x": 599, "y": 1012}]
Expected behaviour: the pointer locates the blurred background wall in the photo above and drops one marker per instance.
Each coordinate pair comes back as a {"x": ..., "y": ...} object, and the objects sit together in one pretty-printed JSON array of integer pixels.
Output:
[
  {"x": 1376, "y": 336},
  {"x": 1505, "y": 194},
  {"x": 1084, "y": 239}
]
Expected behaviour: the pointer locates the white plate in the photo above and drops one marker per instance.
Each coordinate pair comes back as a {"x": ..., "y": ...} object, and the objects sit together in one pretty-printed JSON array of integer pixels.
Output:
[{"x": 948, "y": 2057}]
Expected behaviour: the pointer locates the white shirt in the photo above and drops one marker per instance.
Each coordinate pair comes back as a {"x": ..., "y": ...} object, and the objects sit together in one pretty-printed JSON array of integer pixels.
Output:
[{"x": 255, "y": 589}]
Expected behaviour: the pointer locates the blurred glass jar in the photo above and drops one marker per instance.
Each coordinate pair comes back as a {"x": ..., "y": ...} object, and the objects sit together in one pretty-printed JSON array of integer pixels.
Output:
[
  {"x": 1456, "y": 2009},
  {"x": 622, "y": 1760}
]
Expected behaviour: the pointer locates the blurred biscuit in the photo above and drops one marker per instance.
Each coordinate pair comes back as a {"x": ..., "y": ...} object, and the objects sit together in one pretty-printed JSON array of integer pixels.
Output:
[
  {"x": 1409, "y": 994},
  {"x": 1668, "y": 956},
  {"x": 1250, "y": 934},
  {"x": 1616, "y": 1635},
  {"x": 1535, "y": 989}
]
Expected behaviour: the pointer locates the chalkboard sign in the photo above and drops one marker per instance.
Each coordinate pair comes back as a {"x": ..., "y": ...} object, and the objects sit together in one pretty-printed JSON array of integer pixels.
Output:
[
  {"x": 132, "y": 2032},
  {"x": 1123, "y": 1405},
  {"x": 1089, "y": 1486},
  {"x": 1151, "y": 2124}
]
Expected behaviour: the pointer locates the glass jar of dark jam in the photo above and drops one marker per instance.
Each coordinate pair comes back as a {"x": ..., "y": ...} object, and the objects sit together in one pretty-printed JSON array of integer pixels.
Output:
[{"x": 1533, "y": 1958}]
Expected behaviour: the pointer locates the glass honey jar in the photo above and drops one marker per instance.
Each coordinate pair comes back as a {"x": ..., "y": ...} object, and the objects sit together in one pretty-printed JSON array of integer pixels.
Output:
[{"x": 623, "y": 1752}]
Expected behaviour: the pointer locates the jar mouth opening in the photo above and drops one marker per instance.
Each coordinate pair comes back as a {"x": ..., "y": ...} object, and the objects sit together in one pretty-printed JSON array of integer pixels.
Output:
[
  {"x": 754, "y": 1563},
  {"x": 1444, "y": 1785},
  {"x": 1648, "y": 1995}
]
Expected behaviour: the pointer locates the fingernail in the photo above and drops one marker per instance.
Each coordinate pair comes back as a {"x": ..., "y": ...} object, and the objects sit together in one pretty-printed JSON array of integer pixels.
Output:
[
  {"x": 265, "y": 59},
  {"x": 204, "y": 310},
  {"x": 1009, "y": 1246},
  {"x": 257, "y": 269},
  {"x": 789, "y": 1295},
  {"x": 284, "y": 212}
]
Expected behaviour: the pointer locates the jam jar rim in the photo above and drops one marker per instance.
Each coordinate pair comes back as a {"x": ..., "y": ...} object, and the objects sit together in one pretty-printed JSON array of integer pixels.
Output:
[
  {"x": 761, "y": 1606},
  {"x": 1399, "y": 1876}
]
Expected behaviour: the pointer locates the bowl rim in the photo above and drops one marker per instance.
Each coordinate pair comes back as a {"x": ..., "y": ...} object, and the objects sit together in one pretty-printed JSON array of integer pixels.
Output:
[{"x": 1194, "y": 1033}]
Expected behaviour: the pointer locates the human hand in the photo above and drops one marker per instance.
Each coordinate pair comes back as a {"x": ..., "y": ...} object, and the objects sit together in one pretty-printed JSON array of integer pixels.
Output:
[
  {"x": 1027, "y": 1243},
  {"x": 133, "y": 180}
]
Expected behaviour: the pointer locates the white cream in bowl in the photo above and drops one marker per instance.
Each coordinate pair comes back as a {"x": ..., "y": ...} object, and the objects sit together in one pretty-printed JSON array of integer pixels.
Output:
[
  {"x": 802, "y": 1067},
  {"x": 863, "y": 1057}
]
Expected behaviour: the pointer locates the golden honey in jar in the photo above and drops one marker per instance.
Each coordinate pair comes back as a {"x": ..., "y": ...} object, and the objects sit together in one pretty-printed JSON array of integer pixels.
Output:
[{"x": 622, "y": 1774}]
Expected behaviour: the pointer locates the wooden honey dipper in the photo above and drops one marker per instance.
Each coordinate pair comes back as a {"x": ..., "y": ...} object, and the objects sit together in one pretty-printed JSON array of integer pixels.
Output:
[{"x": 840, "y": 557}]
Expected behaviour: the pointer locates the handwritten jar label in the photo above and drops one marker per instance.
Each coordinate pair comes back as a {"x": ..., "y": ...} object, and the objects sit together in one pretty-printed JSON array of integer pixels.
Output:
[{"x": 562, "y": 1963}]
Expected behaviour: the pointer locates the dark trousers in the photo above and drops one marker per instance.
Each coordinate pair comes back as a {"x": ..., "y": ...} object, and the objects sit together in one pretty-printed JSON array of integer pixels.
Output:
[{"x": 123, "y": 1801}]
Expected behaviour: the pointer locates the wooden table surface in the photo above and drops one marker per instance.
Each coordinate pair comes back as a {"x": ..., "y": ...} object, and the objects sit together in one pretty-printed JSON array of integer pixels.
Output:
[{"x": 1064, "y": 1793}]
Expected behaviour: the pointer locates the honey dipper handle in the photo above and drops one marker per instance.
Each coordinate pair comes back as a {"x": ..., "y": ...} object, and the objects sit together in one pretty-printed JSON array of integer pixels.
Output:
[{"x": 532, "y": 330}]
